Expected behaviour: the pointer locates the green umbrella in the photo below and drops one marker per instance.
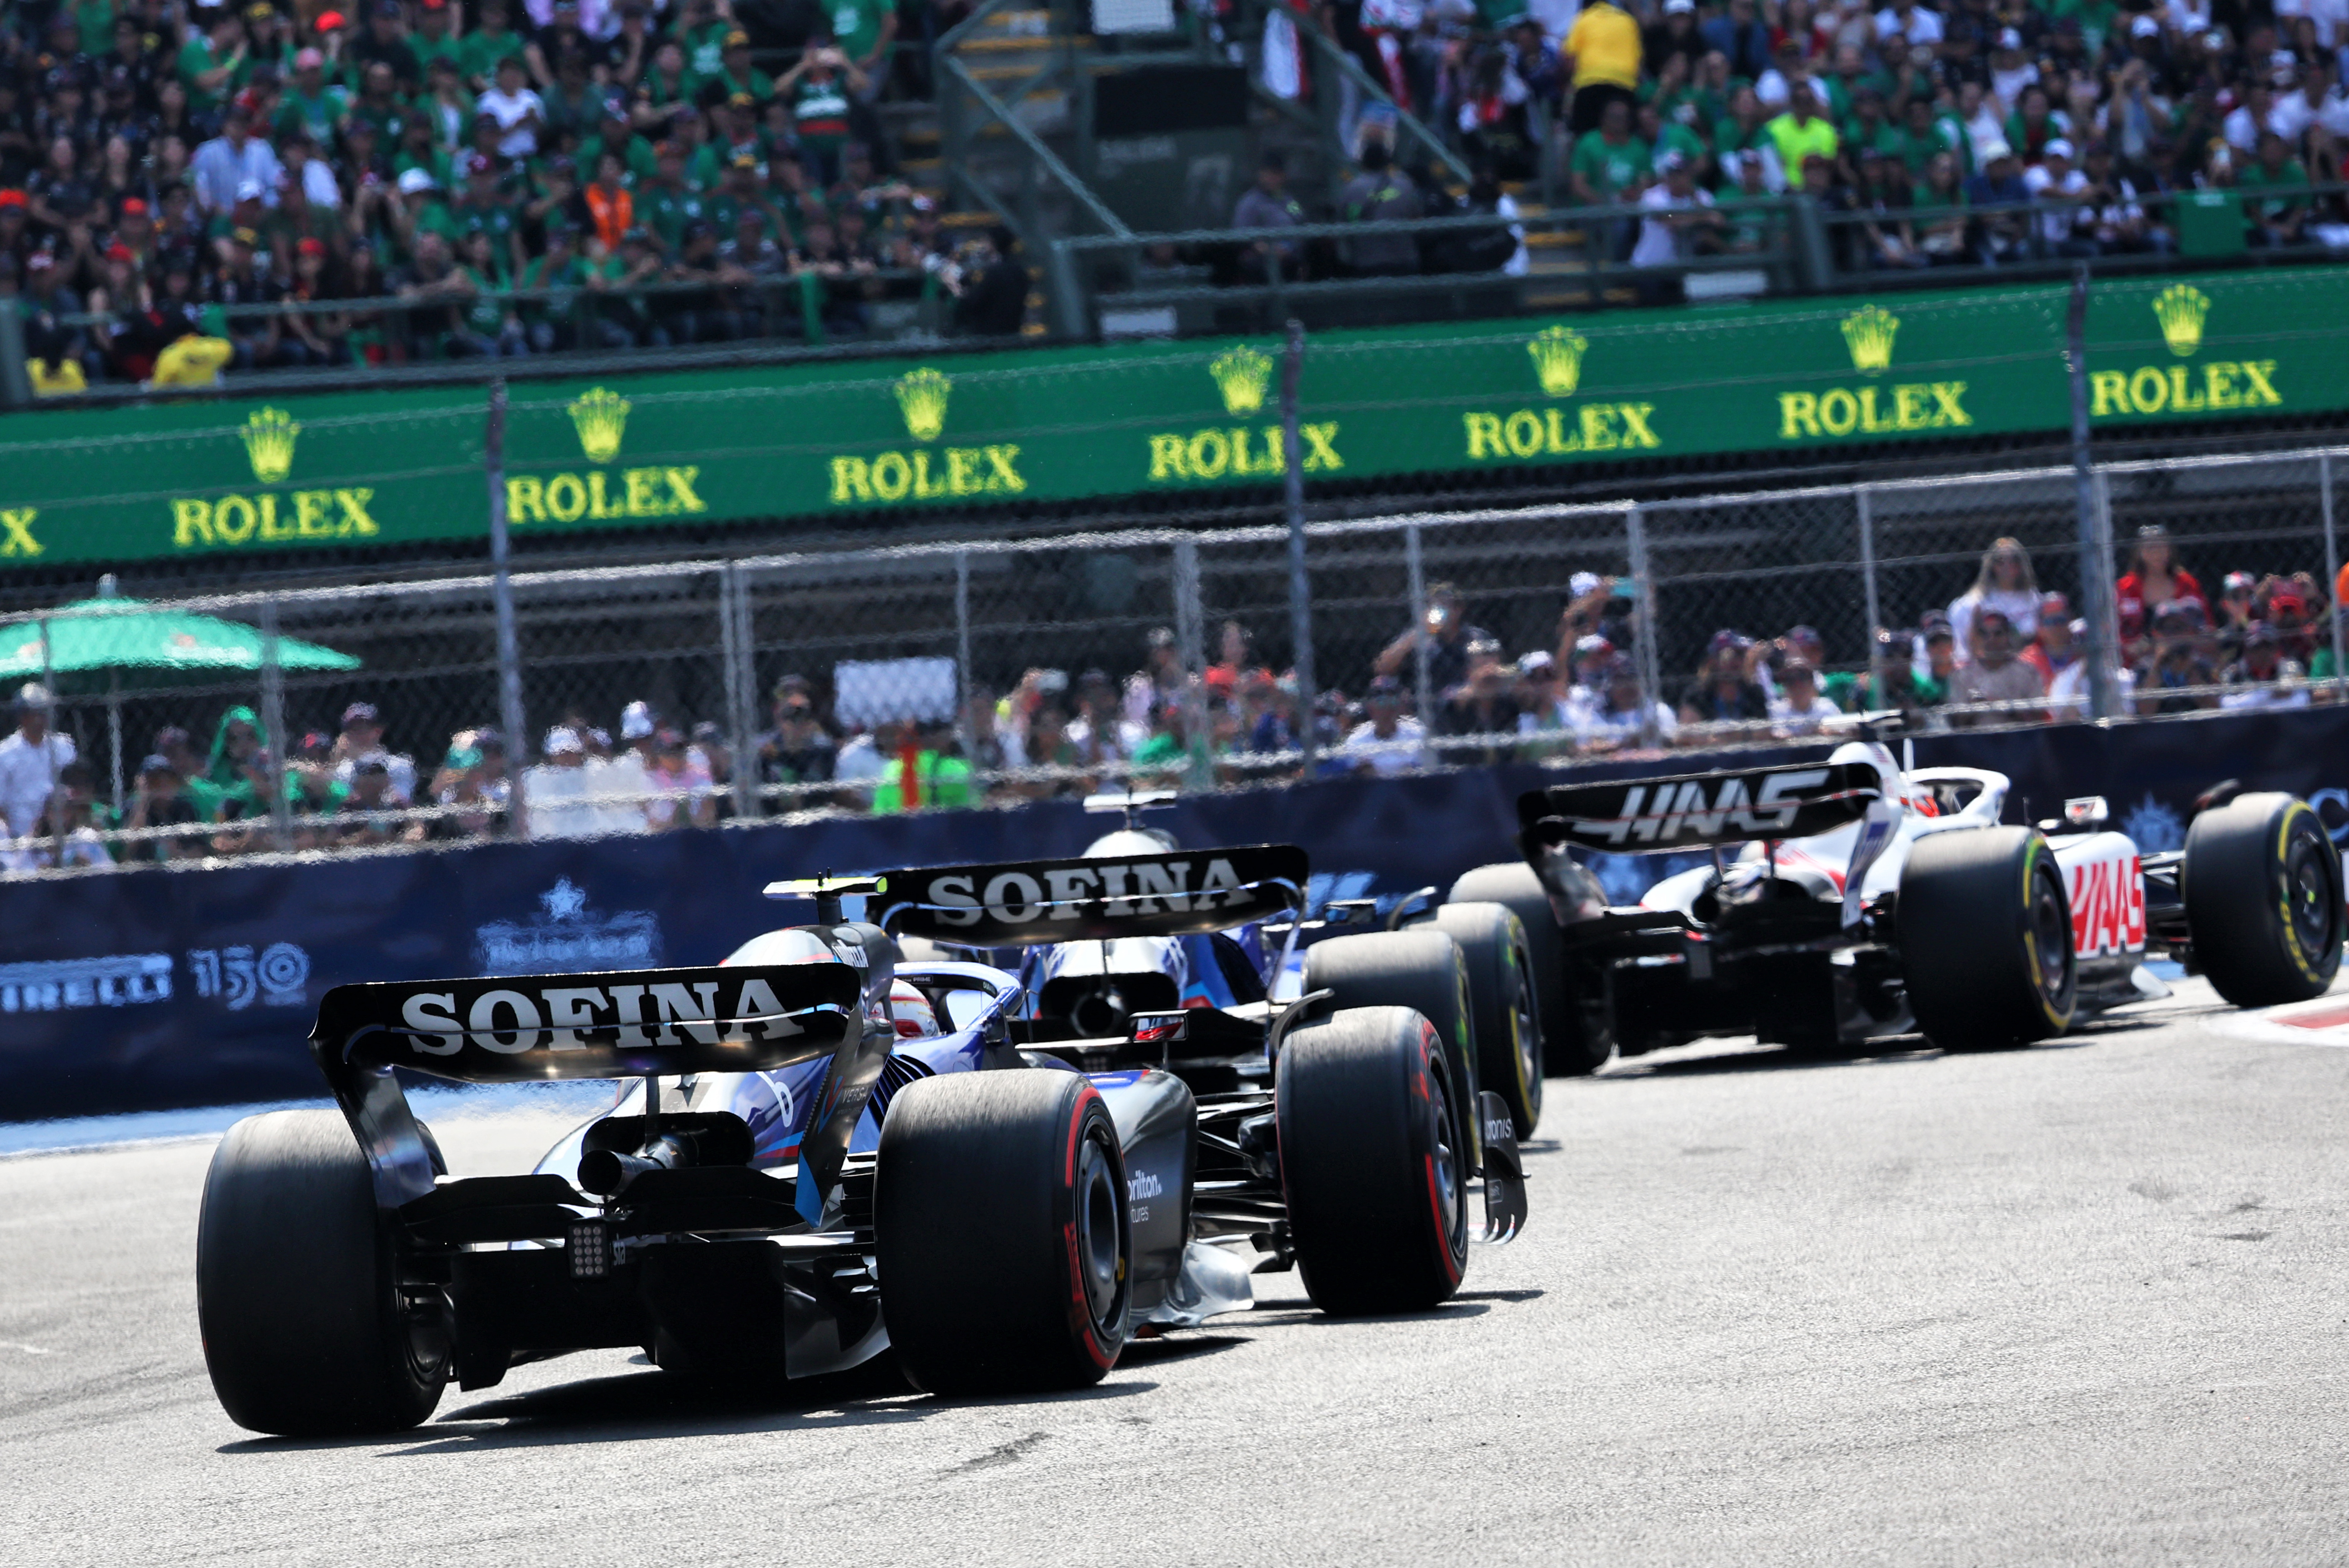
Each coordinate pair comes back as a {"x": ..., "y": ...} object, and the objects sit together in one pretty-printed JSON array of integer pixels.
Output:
[
  {"x": 94, "y": 644},
  {"x": 97, "y": 637}
]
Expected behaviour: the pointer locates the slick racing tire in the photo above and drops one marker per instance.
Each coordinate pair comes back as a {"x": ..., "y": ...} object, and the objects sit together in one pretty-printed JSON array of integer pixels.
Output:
[
  {"x": 1002, "y": 1235},
  {"x": 1424, "y": 970},
  {"x": 1572, "y": 1048},
  {"x": 1505, "y": 1020},
  {"x": 1375, "y": 1179},
  {"x": 2262, "y": 890},
  {"x": 307, "y": 1329},
  {"x": 1986, "y": 938}
]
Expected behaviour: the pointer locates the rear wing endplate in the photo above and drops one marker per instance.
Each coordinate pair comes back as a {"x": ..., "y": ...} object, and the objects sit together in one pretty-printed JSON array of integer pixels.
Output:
[
  {"x": 1696, "y": 810},
  {"x": 1029, "y": 902}
]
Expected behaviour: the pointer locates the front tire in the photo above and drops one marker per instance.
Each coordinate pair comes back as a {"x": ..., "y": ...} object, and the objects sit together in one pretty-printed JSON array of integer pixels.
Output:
[
  {"x": 1986, "y": 938},
  {"x": 1574, "y": 1041},
  {"x": 307, "y": 1329},
  {"x": 1505, "y": 1021},
  {"x": 2262, "y": 890},
  {"x": 1000, "y": 1230},
  {"x": 1374, "y": 1178}
]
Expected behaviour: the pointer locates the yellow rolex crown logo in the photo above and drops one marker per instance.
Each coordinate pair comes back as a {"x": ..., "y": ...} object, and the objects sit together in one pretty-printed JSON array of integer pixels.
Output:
[
  {"x": 922, "y": 394},
  {"x": 268, "y": 435},
  {"x": 1558, "y": 359},
  {"x": 602, "y": 418},
  {"x": 2181, "y": 308},
  {"x": 1241, "y": 375},
  {"x": 1868, "y": 332}
]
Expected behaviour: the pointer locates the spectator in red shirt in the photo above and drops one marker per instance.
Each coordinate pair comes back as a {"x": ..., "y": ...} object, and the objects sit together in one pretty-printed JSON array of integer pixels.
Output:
[
  {"x": 2153, "y": 579},
  {"x": 2053, "y": 649}
]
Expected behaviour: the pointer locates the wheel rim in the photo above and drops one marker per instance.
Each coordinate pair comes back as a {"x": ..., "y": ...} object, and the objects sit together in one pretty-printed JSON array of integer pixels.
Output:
[
  {"x": 2051, "y": 929},
  {"x": 1100, "y": 1218},
  {"x": 2308, "y": 894}
]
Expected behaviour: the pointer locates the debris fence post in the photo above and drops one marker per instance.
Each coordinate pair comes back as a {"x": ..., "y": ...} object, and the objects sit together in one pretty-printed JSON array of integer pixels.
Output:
[
  {"x": 1423, "y": 684},
  {"x": 2095, "y": 554},
  {"x": 273, "y": 724},
  {"x": 1300, "y": 591},
  {"x": 509, "y": 713}
]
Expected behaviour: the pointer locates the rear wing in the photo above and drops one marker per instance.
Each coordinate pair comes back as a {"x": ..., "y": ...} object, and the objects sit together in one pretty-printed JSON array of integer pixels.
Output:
[
  {"x": 631, "y": 1024},
  {"x": 1695, "y": 810},
  {"x": 1029, "y": 902}
]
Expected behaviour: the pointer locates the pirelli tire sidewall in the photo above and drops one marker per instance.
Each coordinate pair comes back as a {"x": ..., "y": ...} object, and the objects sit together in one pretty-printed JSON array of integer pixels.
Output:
[
  {"x": 1001, "y": 1233},
  {"x": 2261, "y": 883},
  {"x": 1985, "y": 934},
  {"x": 309, "y": 1330}
]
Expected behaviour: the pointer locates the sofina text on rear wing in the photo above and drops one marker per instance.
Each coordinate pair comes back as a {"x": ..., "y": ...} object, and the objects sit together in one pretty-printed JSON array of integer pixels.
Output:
[{"x": 1027, "y": 902}]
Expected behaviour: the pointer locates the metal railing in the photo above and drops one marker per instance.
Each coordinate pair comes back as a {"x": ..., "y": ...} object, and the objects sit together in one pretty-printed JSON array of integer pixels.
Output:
[
  {"x": 1219, "y": 280},
  {"x": 1000, "y": 671}
]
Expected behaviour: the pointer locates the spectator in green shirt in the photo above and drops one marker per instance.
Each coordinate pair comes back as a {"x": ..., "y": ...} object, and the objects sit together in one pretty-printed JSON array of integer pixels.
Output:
[
  {"x": 1747, "y": 206},
  {"x": 820, "y": 85},
  {"x": 669, "y": 201},
  {"x": 212, "y": 65},
  {"x": 1664, "y": 136},
  {"x": 313, "y": 104},
  {"x": 487, "y": 45},
  {"x": 432, "y": 39},
  {"x": 1610, "y": 165},
  {"x": 615, "y": 134},
  {"x": 736, "y": 74},
  {"x": 864, "y": 31},
  {"x": 1745, "y": 126},
  {"x": 2274, "y": 221},
  {"x": 703, "y": 34}
]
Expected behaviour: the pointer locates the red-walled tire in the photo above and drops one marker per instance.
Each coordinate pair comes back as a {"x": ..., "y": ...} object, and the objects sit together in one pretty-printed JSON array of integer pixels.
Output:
[
  {"x": 1375, "y": 1176},
  {"x": 1000, "y": 1230}
]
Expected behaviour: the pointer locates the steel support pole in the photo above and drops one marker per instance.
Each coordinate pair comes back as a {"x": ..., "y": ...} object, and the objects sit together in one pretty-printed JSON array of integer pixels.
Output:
[
  {"x": 1635, "y": 529},
  {"x": 962, "y": 653},
  {"x": 742, "y": 687},
  {"x": 1191, "y": 642},
  {"x": 1864, "y": 504},
  {"x": 1300, "y": 590},
  {"x": 1423, "y": 683},
  {"x": 2332, "y": 566},
  {"x": 2096, "y": 558},
  {"x": 272, "y": 723},
  {"x": 510, "y": 712}
]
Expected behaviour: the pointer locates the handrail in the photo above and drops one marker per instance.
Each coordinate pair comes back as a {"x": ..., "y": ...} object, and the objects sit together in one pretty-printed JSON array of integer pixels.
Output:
[{"x": 1034, "y": 144}]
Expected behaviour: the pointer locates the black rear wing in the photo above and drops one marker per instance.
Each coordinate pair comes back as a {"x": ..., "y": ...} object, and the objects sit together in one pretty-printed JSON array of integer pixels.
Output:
[
  {"x": 630, "y": 1023},
  {"x": 1031, "y": 902},
  {"x": 1695, "y": 810}
]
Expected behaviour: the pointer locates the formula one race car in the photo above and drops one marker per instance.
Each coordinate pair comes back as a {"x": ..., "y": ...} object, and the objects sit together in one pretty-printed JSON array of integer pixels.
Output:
[
  {"x": 832, "y": 1155},
  {"x": 1865, "y": 902}
]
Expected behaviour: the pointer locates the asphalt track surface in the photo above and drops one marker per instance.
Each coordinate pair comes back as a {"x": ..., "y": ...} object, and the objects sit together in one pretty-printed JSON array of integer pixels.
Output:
[{"x": 2079, "y": 1303}]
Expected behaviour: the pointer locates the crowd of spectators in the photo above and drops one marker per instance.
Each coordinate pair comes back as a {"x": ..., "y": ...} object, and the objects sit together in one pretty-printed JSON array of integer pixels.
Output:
[
  {"x": 2004, "y": 651},
  {"x": 1929, "y": 126},
  {"x": 164, "y": 161}
]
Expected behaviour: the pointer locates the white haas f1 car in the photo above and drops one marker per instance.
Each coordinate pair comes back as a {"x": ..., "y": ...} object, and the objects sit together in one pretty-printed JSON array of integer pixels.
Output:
[
  {"x": 827, "y": 1154},
  {"x": 1864, "y": 902}
]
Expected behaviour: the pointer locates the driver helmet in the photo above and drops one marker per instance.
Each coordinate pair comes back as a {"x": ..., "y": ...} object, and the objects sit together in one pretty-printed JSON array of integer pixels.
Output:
[{"x": 911, "y": 1011}]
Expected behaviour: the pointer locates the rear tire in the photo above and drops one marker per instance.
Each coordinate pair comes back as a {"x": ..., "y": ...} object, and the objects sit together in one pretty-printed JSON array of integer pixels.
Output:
[
  {"x": 1421, "y": 969},
  {"x": 1000, "y": 1228},
  {"x": 1376, "y": 1182},
  {"x": 1505, "y": 1023},
  {"x": 2262, "y": 891},
  {"x": 1986, "y": 938},
  {"x": 1573, "y": 1046},
  {"x": 307, "y": 1330}
]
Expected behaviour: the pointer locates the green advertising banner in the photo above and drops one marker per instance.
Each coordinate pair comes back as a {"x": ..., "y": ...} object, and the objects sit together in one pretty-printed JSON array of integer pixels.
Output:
[{"x": 1059, "y": 425}]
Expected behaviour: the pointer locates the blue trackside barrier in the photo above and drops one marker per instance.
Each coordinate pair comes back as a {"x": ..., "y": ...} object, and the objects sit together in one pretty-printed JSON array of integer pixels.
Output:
[{"x": 171, "y": 986}]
